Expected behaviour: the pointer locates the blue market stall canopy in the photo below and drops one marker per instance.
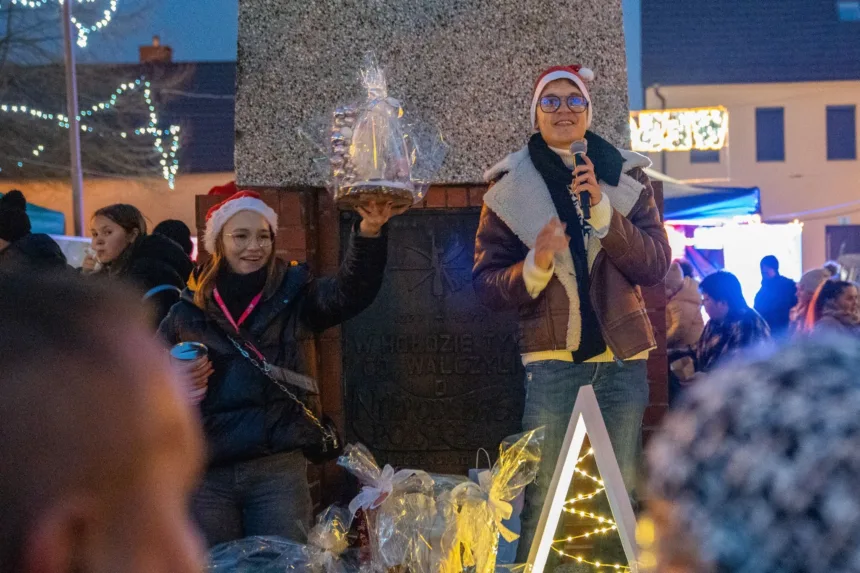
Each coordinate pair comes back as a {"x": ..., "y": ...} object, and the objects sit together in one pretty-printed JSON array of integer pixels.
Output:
[
  {"x": 684, "y": 202},
  {"x": 44, "y": 220}
]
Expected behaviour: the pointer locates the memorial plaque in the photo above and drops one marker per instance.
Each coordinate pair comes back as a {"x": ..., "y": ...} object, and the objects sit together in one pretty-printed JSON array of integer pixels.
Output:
[{"x": 430, "y": 375}]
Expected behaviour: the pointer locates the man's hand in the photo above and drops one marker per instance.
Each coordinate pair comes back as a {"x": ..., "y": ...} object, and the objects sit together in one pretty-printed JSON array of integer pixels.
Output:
[
  {"x": 584, "y": 179},
  {"x": 552, "y": 239},
  {"x": 374, "y": 215}
]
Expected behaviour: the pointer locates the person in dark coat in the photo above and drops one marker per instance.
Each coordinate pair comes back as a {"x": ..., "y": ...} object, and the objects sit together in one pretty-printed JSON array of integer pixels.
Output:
[
  {"x": 778, "y": 295},
  {"x": 733, "y": 325},
  {"x": 14, "y": 222},
  {"x": 20, "y": 248},
  {"x": 154, "y": 264},
  {"x": 178, "y": 232},
  {"x": 247, "y": 301}
]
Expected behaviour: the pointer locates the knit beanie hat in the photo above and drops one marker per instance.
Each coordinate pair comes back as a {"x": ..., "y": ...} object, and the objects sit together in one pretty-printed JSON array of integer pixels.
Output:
[
  {"x": 811, "y": 280},
  {"x": 674, "y": 278},
  {"x": 218, "y": 215},
  {"x": 14, "y": 222},
  {"x": 760, "y": 463},
  {"x": 177, "y": 231},
  {"x": 575, "y": 73}
]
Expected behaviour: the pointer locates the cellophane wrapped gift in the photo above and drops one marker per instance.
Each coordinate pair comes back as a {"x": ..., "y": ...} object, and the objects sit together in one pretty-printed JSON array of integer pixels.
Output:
[
  {"x": 399, "y": 508},
  {"x": 259, "y": 555},
  {"x": 328, "y": 541},
  {"x": 375, "y": 152},
  {"x": 480, "y": 509}
]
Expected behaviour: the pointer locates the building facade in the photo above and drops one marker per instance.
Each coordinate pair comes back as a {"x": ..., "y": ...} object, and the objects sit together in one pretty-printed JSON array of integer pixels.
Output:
[{"x": 788, "y": 73}]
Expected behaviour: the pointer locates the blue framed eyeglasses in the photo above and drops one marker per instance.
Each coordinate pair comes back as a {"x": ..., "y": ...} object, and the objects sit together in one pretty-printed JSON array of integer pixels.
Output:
[{"x": 575, "y": 103}]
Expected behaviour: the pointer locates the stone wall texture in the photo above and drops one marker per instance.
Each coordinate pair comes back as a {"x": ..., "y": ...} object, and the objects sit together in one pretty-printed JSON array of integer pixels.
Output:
[{"x": 466, "y": 66}]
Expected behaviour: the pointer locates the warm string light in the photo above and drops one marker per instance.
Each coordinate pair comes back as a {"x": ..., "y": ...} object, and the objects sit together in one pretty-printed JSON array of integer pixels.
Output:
[
  {"x": 596, "y": 564},
  {"x": 606, "y": 525},
  {"x": 83, "y": 30},
  {"x": 169, "y": 161}
]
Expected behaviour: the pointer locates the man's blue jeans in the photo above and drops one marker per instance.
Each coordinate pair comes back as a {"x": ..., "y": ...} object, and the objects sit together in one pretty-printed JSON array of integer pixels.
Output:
[
  {"x": 551, "y": 389},
  {"x": 266, "y": 496}
]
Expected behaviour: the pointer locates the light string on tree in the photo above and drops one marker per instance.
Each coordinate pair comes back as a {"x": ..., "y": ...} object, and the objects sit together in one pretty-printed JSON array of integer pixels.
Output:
[
  {"x": 83, "y": 30},
  {"x": 605, "y": 525},
  {"x": 168, "y": 151}
]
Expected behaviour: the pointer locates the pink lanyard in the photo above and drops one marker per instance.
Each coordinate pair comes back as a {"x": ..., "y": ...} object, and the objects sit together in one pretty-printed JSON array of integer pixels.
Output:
[{"x": 245, "y": 315}]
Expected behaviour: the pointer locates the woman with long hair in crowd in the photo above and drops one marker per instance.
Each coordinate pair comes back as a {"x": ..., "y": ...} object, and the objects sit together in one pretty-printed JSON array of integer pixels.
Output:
[
  {"x": 807, "y": 286},
  {"x": 253, "y": 313},
  {"x": 121, "y": 248},
  {"x": 834, "y": 307}
]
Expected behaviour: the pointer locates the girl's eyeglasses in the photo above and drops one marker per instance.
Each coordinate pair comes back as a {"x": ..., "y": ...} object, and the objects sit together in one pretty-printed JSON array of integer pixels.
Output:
[{"x": 575, "y": 103}]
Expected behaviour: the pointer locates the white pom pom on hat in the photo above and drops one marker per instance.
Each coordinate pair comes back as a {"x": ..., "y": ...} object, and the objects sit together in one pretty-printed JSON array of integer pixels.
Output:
[
  {"x": 579, "y": 75},
  {"x": 218, "y": 215}
]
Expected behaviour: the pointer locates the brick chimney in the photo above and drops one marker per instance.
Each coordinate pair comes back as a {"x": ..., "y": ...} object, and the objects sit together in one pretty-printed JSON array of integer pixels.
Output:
[{"x": 156, "y": 53}]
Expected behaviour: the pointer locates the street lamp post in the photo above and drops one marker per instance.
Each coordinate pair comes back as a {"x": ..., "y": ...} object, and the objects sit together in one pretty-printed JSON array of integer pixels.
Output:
[{"x": 74, "y": 127}]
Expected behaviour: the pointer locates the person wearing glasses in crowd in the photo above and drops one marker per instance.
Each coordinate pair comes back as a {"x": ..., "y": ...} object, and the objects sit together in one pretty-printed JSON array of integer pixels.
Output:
[
  {"x": 573, "y": 276},
  {"x": 246, "y": 299}
]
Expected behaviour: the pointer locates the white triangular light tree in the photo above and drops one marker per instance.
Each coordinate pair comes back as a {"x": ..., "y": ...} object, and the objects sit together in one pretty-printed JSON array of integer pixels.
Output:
[{"x": 585, "y": 420}]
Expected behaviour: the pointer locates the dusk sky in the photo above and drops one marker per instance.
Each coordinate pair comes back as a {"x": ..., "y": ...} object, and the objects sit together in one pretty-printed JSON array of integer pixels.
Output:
[{"x": 206, "y": 30}]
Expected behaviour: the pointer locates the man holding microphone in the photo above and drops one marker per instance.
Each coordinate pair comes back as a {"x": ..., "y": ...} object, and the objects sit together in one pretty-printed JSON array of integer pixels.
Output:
[{"x": 569, "y": 231}]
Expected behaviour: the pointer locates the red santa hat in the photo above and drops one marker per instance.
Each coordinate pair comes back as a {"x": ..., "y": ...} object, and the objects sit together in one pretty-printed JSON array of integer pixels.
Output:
[
  {"x": 575, "y": 73},
  {"x": 227, "y": 189},
  {"x": 218, "y": 215}
]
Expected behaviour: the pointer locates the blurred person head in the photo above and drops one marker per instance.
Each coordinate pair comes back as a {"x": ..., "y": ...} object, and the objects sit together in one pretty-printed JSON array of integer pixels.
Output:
[
  {"x": 687, "y": 268},
  {"x": 99, "y": 451},
  {"x": 722, "y": 295},
  {"x": 769, "y": 267},
  {"x": 14, "y": 222},
  {"x": 757, "y": 469},
  {"x": 833, "y": 298},
  {"x": 561, "y": 105},
  {"x": 177, "y": 231},
  {"x": 809, "y": 283},
  {"x": 116, "y": 230},
  {"x": 674, "y": 280},
  {"x": 240, "y": 235},
  {"x": 834, "y": 268}
]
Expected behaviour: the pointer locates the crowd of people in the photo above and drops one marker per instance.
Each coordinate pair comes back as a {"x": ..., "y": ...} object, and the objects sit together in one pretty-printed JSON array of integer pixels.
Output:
[
  {"x": 121, "y": 454},
  {"x": 819, "y": 301}
]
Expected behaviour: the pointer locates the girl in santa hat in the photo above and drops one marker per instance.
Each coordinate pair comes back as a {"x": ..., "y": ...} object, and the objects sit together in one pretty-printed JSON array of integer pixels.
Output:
[{"x": 254, "y": 313}]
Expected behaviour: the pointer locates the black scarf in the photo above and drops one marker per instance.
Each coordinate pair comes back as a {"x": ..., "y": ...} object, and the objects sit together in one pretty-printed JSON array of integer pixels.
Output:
[
  {"x": 558, "y": 178},
  {"x": 237, "y": 290}
]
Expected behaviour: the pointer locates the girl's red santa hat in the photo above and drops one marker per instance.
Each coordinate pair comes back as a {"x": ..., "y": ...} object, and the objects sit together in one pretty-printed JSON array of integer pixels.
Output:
[
  {"x": 218, "y": 215},
  {"x": 579, "y": 75}
]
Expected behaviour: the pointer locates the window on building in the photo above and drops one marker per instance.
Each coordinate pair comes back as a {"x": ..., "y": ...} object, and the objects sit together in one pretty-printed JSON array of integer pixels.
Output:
[
  {"x": 708, "y": 156},
  {"x": 770, "y": 134},
  {"x": 848, "y": 10},
  {"x": 841, "y": 132}
]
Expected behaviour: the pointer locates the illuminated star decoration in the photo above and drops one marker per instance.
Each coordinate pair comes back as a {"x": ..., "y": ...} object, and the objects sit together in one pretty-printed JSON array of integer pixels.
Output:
[
  {"x": 83, "y": 30},
  {"x": 169, "y": 161}
]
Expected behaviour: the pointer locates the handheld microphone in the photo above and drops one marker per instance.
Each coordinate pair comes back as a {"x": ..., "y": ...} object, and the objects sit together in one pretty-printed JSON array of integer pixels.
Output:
[{"x": 580, "y": 147}]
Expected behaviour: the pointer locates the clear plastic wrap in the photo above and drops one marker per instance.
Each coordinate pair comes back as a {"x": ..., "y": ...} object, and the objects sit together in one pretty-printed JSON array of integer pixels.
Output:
[
  {"x": 259, "y": 555},
  {"x": 328, "y": 540},
  {"x": 399, "y": 508},
  {"x": 480, "y": 508},
  {"x": 373, "y": 152}
]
